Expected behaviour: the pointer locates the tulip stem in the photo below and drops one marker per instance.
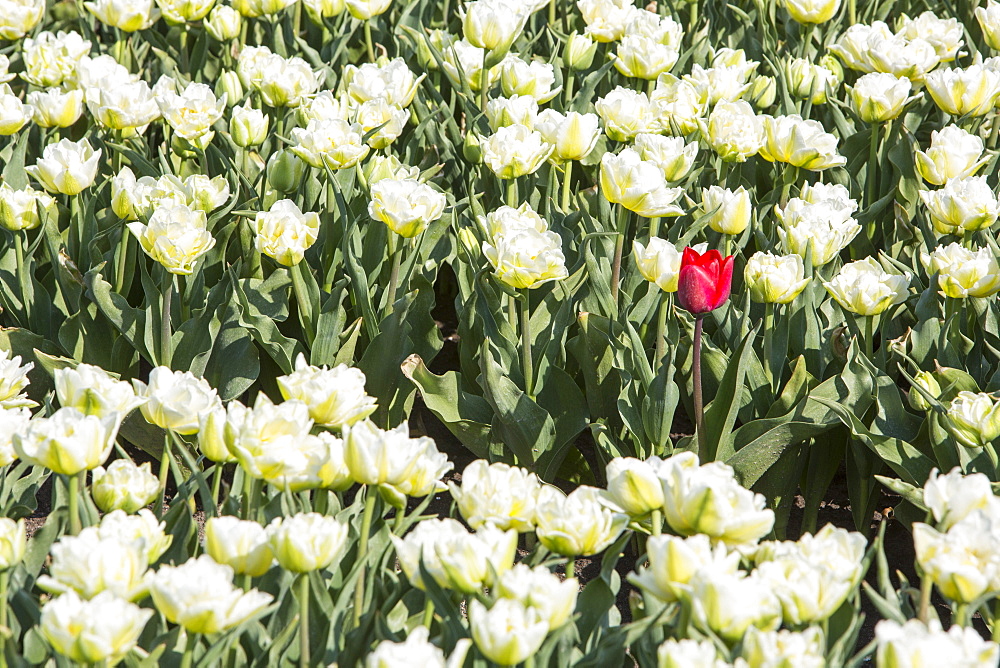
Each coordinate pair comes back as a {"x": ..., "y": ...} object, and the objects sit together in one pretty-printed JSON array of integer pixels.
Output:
[
  {"x": 397, "y": 257},
  {"x": 366, "y": 524},
  {"x": 302, "y": 299},
  {"x": 216, "y": 487},
  {"x": 616, "y": 267},
  {"x": 994, "y": 131},
  {"x": 995, "y": 631},
  {"x": 4, "y": 580},
  {"x": 484, "y": 78},
  {"x": 512, "y": 199},
  {"x": 926, "y": 584},
  {"x": 661, "y": 332},
  {"x": 699, "y": 409},
  {"x": 870, "y": 337},
  {"x": 168, "y": 292},
  {"x": 187, "y": 658},
  {"x": 368, "y": 41},
  {"x": 304, "y": 620},
  {"x": 567, "y": 177},
  {"x": 656, "y": 518},
  {"x": 526, "y": 362},
  {"x": 870, "y": 180},
  {"x": 74, "y": 505},
  {"x": 164, "y": 473},
  {"x": 570, "y": 570},
  {"x": 122, "y": 260},
  {"x": 852, "y": 12},
  {"x": 568, "y": 83},
  {"x": 769, "y": 346},
  {"x": 429, "y": 613}
]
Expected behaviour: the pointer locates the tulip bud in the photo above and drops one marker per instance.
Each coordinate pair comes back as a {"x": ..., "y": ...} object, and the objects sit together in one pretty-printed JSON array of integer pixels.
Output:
[
  {"x": 19, "y": 209},
  {"x": 223, "y": 23},
  {"x": 989, "y": 21},
  {"x": 927, "y": 382},
  {"x": 472, "y": 149},
  {"x": 704, "y": 281},
  {"x": 579, "y": 51},
  {"x": 811, "y": 11},
  {"x": 102, "y": 630},
  {"x": 230, "y": 87},
  {"x": 124, "y": 486},
  {"x": 574, "y": 135},
  {"x": 199, "y": 595},
  {"x": 239, "y": 544},
  {"x": 775, "y": 279},
  {"x": 56, "y": 108},
  {"x": 66, "y": 167},
  {"x": 13, "y": 542},
  {"x": 953, "y": 154},
  {"x": 728, "y": 211},
  {"x": 973, "y": 419},
  {"x": 284, "y": 233},
  {"x": 915, "y": 644},
  {"x": 878, "y": 97},
  {"x": 285, "y": 171},
  {"x": 515, "y": 151},
  {"x": 509, "y": 632},
  {"x": 492, "y": 25},
  {"x": 307, "y": 541},
  {"x": 863, "y": 287},
  {"x": 763, "y": 91}
]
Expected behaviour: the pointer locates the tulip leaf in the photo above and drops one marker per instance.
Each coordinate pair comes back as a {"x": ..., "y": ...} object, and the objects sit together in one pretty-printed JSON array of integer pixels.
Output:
[
  {"x": 910, "y": 464},
  {"x": 13, "y": 170},
  {"x": 720, "y": 414},
  {"x": 233, "y": 365},
  {"x": 518, "y": 423},
  {"x": 467, "y": 416},
  {"x": 410, "y": 329}
]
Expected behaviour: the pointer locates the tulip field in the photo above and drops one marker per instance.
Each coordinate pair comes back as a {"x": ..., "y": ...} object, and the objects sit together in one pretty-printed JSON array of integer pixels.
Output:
[{"x": 441, "y": 333}]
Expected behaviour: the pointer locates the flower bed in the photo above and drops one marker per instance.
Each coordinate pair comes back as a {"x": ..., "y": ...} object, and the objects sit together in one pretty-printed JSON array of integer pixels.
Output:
[{"x": 234, "y": 237}]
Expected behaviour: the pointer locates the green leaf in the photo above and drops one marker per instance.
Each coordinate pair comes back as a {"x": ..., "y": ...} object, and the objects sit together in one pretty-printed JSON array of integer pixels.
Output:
[
  {"x": 467, "y": 416},
  {"x": 720, "y": 414}
]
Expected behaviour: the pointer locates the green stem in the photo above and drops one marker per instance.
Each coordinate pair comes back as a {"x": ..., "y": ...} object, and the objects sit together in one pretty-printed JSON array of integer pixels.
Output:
[
  {"x": 512, "y": 198},
  {"x": 727, "y": 245},
  {"x": 769, "y": 346},
  {"x": 366, "y": 524},
  {"x": 807, "y": 31},
  {"x": 304, "y": 304},
  {"x": 552, "y": 13},
  {"x": 961, "y": 616},
  {"x": 4, "y": 604},
  {"x": 870, "y": 180},
  {"x": 74, "y": 505},
  {"x": 870, "y": 337},
  {"x": 616, "y": 266},
  {"x": 995, "y": 631},
  {"x": 994, "y": 131},
  {"x": 304, "y": 661},
  {"x": 661, "y": 332},
  {"x": 699, "y": 408},
  {"x": 164, "y": 472},
  {"x": 368, "y": 41},
  {"x": 567, "y": 178},
  {"x": 926, "y": 585},
  {"x": 321, "y": 504},
  {"x": 570, "y": 567},
  {"x": 165, "y": 348},
  {"x": 397, "y": 258},
  {"x": 484, "y": 86},
  {"x": 123, "y": 244},
  {"x": 527, "y": 364},
  {"x": 187, "y": 658},
  {"x": 656, "y": 518},
  {"x": 428, "y": 613},
  {"x": 184, "y": 51},
  {"x": 568, "y": 83},
  {"x": 216, "y": 487}
]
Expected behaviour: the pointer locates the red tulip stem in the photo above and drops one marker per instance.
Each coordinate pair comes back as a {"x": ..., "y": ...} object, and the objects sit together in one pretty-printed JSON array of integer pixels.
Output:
[{"x": 699, "y": 407}]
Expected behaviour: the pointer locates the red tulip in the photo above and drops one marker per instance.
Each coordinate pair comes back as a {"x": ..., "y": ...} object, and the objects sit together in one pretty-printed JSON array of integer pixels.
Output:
[{"x": 704, "y": 281}]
